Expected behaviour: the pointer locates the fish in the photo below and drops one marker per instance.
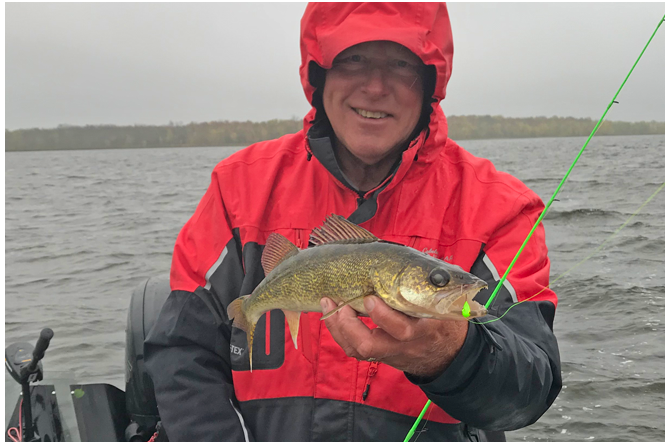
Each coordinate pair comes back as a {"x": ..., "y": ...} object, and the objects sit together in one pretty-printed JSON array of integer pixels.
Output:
[{"x": 347, "y": 263}]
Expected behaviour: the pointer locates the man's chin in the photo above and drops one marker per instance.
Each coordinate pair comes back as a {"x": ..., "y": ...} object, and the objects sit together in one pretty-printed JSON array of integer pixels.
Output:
[{"x": 370, "y": 154}]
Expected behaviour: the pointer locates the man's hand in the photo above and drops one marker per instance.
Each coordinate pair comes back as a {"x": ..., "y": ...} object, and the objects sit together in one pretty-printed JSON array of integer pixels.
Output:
[{"x": 420, "y": 346}]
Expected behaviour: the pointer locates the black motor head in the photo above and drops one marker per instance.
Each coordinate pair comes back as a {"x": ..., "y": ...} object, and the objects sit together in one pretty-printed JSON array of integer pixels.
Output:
[{"x": 18, "y": 357}]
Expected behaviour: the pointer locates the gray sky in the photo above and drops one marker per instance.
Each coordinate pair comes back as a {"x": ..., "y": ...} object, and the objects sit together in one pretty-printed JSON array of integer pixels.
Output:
[{"x": 151, "y": 63}]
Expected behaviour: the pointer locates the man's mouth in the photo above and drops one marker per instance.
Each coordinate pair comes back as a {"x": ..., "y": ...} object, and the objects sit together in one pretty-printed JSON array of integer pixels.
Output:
[{"x": 371, "y": 114}]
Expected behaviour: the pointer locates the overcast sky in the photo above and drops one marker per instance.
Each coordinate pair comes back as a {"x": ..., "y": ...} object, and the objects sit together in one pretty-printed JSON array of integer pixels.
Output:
[{"x": 152, "y": 63}]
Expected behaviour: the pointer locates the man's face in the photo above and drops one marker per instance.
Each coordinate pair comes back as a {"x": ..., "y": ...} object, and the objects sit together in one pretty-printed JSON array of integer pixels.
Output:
[{"x": 373, "y": 96}]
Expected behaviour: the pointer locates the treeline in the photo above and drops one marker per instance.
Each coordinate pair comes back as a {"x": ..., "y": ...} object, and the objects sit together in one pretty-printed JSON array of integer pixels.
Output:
[
  {"x": 225, "y": 133},
  {"x": 498, "y": 127}
]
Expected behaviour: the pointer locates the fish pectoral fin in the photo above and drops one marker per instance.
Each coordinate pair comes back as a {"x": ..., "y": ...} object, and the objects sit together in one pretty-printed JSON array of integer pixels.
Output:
[
  {"x": 341, "y": 306},
  {"x": 277, "y": 250},
  {"x": 293, "y": 319}
]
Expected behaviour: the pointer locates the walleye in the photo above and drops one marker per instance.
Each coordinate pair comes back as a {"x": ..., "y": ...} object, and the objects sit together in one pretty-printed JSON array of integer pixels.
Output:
[{"x": 346, "y": 264}]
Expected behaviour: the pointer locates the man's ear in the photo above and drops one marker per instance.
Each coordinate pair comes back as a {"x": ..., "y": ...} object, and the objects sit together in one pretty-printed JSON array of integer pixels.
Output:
[{"x": 317, "y": 75}]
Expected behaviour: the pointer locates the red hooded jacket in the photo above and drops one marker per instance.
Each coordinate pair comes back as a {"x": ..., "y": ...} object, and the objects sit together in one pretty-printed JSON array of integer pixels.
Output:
[{"x": 440, "y": 200}]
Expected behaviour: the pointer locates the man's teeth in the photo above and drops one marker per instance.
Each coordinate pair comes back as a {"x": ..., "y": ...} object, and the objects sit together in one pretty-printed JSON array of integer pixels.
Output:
[{"x": 371, "y": 114}]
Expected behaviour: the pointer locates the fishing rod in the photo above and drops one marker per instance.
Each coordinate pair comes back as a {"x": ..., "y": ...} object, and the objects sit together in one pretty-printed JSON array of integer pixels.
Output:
[{"x": 466, "y": 308}]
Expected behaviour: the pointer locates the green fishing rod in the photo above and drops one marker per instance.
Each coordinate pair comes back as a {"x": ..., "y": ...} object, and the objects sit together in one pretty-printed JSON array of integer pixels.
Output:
[
  {"x": 466, "y": 308},
  {"x": 589, "y": 256}
]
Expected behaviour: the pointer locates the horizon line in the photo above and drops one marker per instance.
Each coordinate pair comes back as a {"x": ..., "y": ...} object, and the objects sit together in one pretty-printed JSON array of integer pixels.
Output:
[{"x": 180, "y": 123}]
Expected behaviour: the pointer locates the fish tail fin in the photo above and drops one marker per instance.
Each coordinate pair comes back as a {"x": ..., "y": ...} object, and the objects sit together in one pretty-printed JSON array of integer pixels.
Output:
[
  {"x": 237, "y": 315},
  {"x": 240, "y": 320},
  {"x": 250, "y": 342}
]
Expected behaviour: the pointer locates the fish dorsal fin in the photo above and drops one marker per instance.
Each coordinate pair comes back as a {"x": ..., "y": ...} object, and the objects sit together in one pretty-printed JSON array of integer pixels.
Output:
[
  {"x": 277, "y": 249},
  {"x": 337, "y": 230}
]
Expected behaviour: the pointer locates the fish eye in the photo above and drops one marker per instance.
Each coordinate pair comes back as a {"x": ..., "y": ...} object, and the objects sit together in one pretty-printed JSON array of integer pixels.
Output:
[{"x": 439, "y": 277}]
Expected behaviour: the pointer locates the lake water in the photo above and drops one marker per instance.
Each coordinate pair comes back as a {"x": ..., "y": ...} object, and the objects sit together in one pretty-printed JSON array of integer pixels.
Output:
[{"x": 84, "y": 228}]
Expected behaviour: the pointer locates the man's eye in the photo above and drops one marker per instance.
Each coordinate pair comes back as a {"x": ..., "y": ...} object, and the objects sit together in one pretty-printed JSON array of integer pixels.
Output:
[
  {"x": 355, "y": 59},
  {"x": 401, "y": 64}
]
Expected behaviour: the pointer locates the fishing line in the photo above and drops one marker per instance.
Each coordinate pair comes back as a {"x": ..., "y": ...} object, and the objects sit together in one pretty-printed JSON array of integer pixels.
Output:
[
  {"x": 416, "y": 423},
  {"x": 425, "y": 423},
  {"x": 551, "y": 200},
  {"x": 597, "y": 249},
  {"x": 560, "y": 185}
]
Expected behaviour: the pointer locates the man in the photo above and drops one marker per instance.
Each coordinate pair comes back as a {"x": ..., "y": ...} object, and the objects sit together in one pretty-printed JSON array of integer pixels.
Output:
[{"x": 374, "y": 149}]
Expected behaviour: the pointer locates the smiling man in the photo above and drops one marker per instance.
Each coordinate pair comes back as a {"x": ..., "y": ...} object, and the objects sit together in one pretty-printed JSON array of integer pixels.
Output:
[
  {"x": 373, "y": 97},
  {"x": 374, "y": 149}
]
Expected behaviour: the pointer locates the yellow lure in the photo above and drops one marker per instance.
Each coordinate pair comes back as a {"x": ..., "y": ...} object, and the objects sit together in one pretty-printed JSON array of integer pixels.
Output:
[{"x": 466, "y": 310}]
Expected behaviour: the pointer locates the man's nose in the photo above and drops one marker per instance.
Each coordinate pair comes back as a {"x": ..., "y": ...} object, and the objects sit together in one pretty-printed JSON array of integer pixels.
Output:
[{"x": 376, "y": 81}]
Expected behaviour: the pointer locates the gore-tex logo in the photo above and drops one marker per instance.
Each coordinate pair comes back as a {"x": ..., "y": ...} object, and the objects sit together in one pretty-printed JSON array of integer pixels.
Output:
[
  {"x": 430, "y": 251},
  {"x": 236, "y": 350}
]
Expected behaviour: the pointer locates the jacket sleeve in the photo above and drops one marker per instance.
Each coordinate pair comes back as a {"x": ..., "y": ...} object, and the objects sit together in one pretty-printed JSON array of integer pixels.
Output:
[
  {"x": 507, "y": 374},
  {"x": 187, "y": 352}
]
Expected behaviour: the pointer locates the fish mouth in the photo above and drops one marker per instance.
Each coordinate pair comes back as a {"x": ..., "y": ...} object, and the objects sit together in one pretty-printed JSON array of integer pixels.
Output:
[
  {"x": 469, "y": 289},
  {"x": 450, "y": 302}
]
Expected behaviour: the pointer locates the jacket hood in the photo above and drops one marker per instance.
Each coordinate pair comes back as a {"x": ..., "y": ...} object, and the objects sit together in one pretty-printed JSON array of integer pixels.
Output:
[{"x": 326, "y": 29}]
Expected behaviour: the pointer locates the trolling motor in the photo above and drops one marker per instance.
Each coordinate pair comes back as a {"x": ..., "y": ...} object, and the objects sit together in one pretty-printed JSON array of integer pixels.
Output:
[{"x": 22, "y": 361}]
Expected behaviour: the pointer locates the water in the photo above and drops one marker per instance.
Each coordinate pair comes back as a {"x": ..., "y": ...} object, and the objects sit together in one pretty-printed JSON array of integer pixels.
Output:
[{"x": 84, "y": 228}]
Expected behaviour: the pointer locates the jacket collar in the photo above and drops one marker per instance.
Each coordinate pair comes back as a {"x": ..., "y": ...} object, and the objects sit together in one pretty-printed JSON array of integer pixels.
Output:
[{"x": 422, "y": 151}]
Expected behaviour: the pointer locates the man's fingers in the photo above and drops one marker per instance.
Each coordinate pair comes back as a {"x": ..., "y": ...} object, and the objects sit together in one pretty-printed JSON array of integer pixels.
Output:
[
  {"x": 345, "y": 327},
  {"x": 398, "y": 325},
  {"x": 418, "y": 346},
  {"x": 355, "y": 338},
  {"x": 327, "y": 305}
]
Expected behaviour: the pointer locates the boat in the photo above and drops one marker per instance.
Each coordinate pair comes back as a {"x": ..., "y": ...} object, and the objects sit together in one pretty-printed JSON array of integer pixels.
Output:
[{"x": 60, "y": 410}]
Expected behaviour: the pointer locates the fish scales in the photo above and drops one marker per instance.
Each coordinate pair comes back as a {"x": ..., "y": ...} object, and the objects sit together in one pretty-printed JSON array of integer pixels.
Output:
[{"x": 340, "y": 272}]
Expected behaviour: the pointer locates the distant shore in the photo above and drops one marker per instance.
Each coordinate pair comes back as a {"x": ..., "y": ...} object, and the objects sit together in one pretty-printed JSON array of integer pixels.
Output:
[{"x": 227, "y": 133}]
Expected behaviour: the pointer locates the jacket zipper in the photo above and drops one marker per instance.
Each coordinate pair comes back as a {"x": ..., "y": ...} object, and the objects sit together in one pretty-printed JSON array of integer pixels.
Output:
[
  {"x": 413, "y": 241},
  {"x": 372, "y": 371}
]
